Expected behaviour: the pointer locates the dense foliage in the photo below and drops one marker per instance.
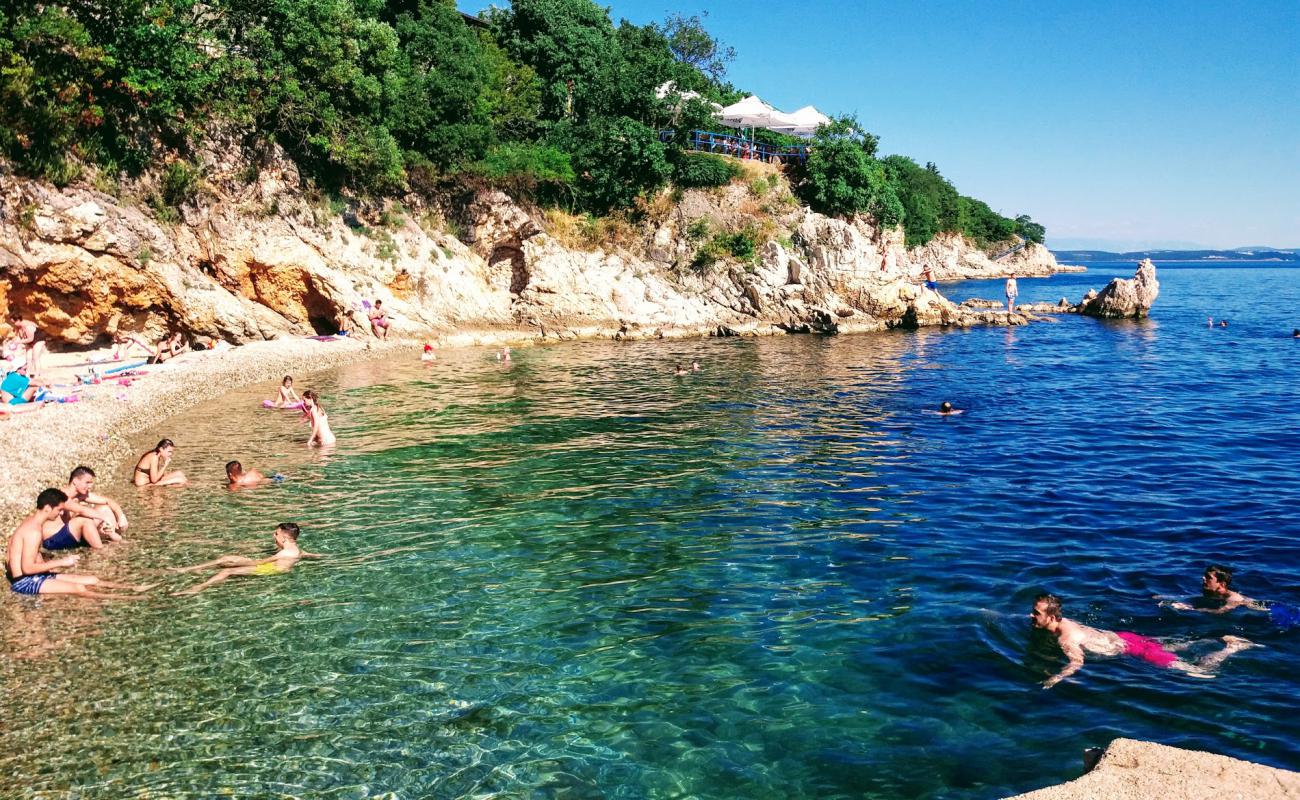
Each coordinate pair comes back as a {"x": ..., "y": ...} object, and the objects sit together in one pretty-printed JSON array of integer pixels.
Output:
[{"x": 548, "y": 98}]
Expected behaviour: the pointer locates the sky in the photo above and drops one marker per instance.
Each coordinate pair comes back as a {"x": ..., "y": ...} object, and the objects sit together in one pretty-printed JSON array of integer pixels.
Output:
[{"x": 1118, "y": 125}]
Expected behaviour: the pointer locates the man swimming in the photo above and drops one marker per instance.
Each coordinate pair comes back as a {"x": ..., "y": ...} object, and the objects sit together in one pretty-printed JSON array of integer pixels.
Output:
[
  {"x": 239, "y": 478},
  {"x": 1076, "y": 638},
  {"x": 31, "y": 574},
  {"x": 1216, "y": 589},
  {"x": 287, "y": 554},
  {"x": 946, "y": 409}
]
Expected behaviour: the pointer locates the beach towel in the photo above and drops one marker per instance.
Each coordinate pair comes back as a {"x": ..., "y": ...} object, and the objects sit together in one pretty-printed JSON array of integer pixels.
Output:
[{"x": 15, "y": 385}]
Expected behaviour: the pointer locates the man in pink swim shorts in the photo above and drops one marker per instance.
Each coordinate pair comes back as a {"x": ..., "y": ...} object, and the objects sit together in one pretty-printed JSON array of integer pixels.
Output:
[{"x": 1076, "y": 639}]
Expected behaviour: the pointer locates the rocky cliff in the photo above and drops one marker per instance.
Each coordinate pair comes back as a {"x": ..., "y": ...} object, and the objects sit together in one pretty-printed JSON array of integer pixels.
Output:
[{"x": 254, "y": 256}]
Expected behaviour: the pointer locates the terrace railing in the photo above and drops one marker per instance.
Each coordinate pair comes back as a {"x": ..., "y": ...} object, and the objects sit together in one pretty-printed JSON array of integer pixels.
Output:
[{"x": 724, "y": 144}]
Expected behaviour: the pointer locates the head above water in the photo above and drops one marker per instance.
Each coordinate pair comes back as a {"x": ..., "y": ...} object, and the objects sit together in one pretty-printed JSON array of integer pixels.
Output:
[
  {"x": 234, "y": 469},
  {"x": 1217, "y": 574},
  {"x": 288, "y": 530},
  {"x": 50, "y": 498},
  {"x": 945, "y": 407},
  {"x": 1047, "y": 609}
]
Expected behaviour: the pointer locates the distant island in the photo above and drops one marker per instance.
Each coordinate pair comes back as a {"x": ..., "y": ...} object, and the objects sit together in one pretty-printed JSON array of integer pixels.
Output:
[{"x": 1237, "y": 254}]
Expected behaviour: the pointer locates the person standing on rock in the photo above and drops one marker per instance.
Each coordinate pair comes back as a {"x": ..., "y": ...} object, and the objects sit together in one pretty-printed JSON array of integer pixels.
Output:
[
  {"x": 1012, "y": 292},
  {"x": 30, "y": 338}
]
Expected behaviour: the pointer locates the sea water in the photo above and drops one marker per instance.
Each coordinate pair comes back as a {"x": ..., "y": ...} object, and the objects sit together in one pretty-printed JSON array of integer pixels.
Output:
[{"x": 576, "y": 575}]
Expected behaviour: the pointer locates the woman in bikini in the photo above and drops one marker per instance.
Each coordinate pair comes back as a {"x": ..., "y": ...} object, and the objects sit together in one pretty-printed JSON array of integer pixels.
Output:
[
  {"x": 168, "y": 349},
  {"x": 151, "y": 469},
  {"x": 320, "y": 422}
]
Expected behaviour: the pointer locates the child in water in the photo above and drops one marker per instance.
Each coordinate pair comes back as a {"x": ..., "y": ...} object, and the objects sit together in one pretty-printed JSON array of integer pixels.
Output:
[
  {"x": 286, "y": 555},
  {"x": 288, "y": 397},
  {"x": 428, "y": 354}
]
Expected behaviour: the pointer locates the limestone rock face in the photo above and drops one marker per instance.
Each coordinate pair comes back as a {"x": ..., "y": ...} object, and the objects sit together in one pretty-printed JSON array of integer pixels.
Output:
[
  {"x": 951, "y": 257},
  {"x": 1125, "y": 297},
  {"x": 261, "y": 258}
]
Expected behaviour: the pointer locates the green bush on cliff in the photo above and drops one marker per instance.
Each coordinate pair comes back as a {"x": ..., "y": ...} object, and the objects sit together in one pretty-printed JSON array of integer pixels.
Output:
[
  {"x": 842, "y": 176},
  {"x": 703, "y": 171},
  {"x": 616, "y": 161},
  {"x": 527, "y": 169}
]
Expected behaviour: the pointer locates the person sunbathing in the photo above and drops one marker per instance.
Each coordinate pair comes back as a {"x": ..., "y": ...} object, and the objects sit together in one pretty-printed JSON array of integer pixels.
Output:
[
  {"x": 379, "y": 321},
  {"x": 123, "y": 342},
  {"x": 31, "y": 574},
  {"x": 168, "y": 349},
  {"x": 287, "y": 554},
  {"x": 151, "y": 469}
]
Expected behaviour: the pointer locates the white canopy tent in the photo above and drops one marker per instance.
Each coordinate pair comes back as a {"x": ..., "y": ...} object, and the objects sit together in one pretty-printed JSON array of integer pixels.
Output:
[
  {"x": 805, "y": 122},
  {"x": 753, "y": 113}
]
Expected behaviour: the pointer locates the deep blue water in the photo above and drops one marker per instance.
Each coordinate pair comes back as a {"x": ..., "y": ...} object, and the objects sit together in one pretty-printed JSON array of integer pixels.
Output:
[{"x": 579, "y": 576}]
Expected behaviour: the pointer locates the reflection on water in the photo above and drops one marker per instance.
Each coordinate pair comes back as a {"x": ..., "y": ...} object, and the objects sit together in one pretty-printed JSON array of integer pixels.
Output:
[{"x": 578, "y": 575}]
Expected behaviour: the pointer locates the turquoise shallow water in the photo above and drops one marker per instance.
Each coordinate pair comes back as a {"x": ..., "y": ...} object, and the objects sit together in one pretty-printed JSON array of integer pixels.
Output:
[{"x": 579, "y": 576}]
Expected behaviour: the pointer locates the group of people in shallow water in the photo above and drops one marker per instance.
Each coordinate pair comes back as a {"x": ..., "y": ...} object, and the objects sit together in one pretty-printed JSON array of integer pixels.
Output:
[
  {"x": 77, "y": 516},
  {"x": 1217, "y": 597}
]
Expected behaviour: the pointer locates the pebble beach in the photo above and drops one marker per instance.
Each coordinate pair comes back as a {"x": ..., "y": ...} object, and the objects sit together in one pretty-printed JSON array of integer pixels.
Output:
[{"x": 42, "y": 447}]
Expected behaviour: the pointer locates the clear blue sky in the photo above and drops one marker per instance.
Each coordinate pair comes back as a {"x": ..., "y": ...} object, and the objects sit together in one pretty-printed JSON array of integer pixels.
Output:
[{"x": 1116, "y": 124}]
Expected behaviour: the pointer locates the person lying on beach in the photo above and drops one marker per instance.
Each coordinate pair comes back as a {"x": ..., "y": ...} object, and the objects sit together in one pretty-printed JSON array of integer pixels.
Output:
[
  {"x": 239, "y": 478},
  {"x": 83, "y": 503},
  {"x": 1076, "y": 638},
  {"x": 946, "y": 409},
  {"x": 125, "y": 341},
  {"x": 151, "y": 469},
  {"x": 169, "y": 348},
  {"x": 287, "y": 554},
  {"x": 320, "y": 421},
  {"x": 288, "y": 397},
  {"x": 32, "y": 340},
  {"x": 379, "y": 320},
  {"x": 32, "y": 574}
]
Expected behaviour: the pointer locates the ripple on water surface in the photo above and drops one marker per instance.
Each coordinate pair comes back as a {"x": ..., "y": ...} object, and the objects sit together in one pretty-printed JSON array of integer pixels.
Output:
[{"x": 577, "y": 575}]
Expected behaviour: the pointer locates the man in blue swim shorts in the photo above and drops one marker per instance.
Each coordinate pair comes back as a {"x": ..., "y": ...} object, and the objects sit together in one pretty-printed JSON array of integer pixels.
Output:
[{"x": 30, "y": 573}]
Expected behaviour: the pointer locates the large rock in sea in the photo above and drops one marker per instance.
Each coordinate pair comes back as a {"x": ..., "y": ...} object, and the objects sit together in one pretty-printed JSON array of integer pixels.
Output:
[{"x": 1125, "y": 297}]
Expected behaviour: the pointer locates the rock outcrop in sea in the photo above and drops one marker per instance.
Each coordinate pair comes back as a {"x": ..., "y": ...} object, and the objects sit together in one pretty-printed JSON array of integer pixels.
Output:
[
  {"x": 1125, "y": 297},
  {"x": 249, "y": 258}
]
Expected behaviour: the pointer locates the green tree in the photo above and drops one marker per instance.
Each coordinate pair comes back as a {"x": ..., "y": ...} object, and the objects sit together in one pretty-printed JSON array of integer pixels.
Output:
[
  {"x": 513, "y": 95},
  {"x": 616, "y": 161},
  {"x": 930, "y": 203},
  {"x": 841, "y": 176},
  {"x": 439, "y": 83},
  {"x": 1032, "y": 231},
  {"x": 694, "y": 46}
]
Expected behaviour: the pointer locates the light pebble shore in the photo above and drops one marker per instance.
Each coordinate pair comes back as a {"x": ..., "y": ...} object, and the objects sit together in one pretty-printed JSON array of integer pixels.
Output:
[{"x": 40, "y": 448}]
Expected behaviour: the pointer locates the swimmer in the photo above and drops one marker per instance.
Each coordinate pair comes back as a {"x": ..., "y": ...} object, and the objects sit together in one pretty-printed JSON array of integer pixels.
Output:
[
  {"x": 107, "y": 516},
  {"x": 1075, "y": 639},
  {"x": 1210, "y": 322},
  {"x": 503, "y": 354},
  {"x": 320, "y": 421},
  {"x": 1216, "y": 588},
  {"x": 428, "y": 354},
  {"x": 151, "y": 469},
  {"x": 1223, "y": 323},
  {"x": 239, "y": 478},
  {"x": 288, "y": 397},
  {"x": 946, "y": 409},
  {"x": 1295, "y": 333},
  {"x": 695, "y": 366},
  {"x": 286, "y": 555},
  {"x": 32, "y": 574},
  {"x": 680, "y": 371}
]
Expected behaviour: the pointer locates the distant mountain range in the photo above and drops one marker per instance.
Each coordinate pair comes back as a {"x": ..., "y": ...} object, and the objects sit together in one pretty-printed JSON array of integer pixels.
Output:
[{"x": 1236, "y": 254}]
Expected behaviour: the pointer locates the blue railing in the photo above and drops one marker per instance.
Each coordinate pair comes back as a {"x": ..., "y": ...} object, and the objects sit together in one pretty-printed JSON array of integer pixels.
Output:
[{"x": 739, "y": 147}]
